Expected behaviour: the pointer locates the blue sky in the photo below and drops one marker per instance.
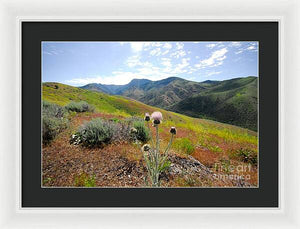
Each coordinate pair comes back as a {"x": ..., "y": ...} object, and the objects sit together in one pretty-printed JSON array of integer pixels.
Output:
[{"x": 80, "y": 63}]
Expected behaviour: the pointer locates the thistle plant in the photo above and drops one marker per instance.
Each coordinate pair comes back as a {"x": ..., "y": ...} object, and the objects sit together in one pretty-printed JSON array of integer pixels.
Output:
[{"x": 154, "y": 158}]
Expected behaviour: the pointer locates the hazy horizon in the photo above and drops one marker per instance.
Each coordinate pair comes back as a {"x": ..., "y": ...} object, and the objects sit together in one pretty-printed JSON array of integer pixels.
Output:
[{"x": 117, "y": 63}]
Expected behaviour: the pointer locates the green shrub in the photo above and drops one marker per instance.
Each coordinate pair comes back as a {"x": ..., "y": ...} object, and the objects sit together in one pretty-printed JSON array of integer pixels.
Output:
[
  {"x": 81, "y": 106},
  {"x": 247, "y": 156},
  {"x": 214, "y": 148},
  {"x": 84, "y": 180},
  {"x": 114, "y": 120},
  {"x": 244, "y": 154},
  {"x": 53, "y": 121},
  {"x": 96, "y": 132},
  {"x": 142, "y": 133},
  {"x": 184, "y": 145}
]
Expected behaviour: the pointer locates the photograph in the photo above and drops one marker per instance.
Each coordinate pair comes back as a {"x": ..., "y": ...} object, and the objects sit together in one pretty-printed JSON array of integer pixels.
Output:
[{"x": 150, "y": 114}]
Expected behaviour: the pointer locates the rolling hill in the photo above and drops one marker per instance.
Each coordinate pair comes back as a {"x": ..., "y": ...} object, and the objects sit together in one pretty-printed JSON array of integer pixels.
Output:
[
  {"x": 62, "y": 94},
  {"x": 230, "y": 101},
  {"x": 120, "y": 164}
]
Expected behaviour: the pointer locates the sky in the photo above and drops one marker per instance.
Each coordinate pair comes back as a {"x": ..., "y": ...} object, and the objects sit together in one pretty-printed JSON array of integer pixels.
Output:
[{"x": 81, "y": 63}]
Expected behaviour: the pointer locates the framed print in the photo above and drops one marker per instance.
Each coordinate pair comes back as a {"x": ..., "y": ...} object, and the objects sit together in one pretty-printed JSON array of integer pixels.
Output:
[
  {"x": 177, "y": 110},
  {"x": 67, "y": 68}
]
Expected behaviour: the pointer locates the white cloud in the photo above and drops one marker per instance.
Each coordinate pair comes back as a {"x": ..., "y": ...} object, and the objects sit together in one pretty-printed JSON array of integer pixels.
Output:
[
  {"x": 158, "y": 48},
  {"x": 155, "y": 44},
  {"x": 181, "y": 67},
  {"x": 211, "y": 46},
  {"x": 167, "y": 46},
  {"x": 184, "y": 63},
  {"x": 179, "y": 45},
  {"x": 214, "y": 60},
  {"x": 133, "y": 61},
  {"x": 52, "y": 51},
  {"x": 165, "y": 52},
  {"x": 251, "y": 48},
  {"x": 137, "y": 46},
  {"x": 166, "y": 62},
  {"x": 235, "y": 44},
  {"x": 178, "y": 53},
  {"x": 117, "y": 77},
  {"x": 114, "y": 79},
  {"x": 213, "y": 73},
  {"x": 155, "y": 52},
  {"x": 48, "y": 53}
]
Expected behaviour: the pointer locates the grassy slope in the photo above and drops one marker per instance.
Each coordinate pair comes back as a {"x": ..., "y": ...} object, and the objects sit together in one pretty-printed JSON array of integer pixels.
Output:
[
  {"x": 118, "y": 105},
  {"x": 214, "y": 142},
  {"x": 232, "y": 101}
]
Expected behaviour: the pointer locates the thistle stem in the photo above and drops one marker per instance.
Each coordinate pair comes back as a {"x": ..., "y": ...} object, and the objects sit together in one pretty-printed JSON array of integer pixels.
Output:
[
  {"x": 156, "y": 174},
  {"x": 169, "y": 145},
  {"x": 151, "y": 138}
]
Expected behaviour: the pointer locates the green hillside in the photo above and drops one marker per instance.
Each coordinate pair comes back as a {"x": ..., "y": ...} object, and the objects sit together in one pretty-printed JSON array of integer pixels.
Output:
[
  {"x": 61, "y": 94},
  {"x": 216, "y": 145},
  {"x": 232, "y": 101},
  {"x": 117, "y": 105}
]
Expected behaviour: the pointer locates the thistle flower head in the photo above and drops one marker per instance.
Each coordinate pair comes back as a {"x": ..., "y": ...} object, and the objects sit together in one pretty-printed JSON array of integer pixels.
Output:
[
  {"x": 156, "y": 117},
  {"x": 173, "y": 130},
  {"x": 146, "y": 147},
  {"x": 147, "y": 117},
  {"x": 133, "y": 130}
]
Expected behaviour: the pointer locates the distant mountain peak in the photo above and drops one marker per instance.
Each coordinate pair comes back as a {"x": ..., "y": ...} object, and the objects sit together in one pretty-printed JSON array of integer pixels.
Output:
[
  {"x": 210, "y": 81},
  {"x": 139, "y": 81}
]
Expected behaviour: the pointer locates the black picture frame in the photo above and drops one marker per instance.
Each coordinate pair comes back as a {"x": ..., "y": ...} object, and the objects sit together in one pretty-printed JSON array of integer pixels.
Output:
[{"x": 266, "y": 195}]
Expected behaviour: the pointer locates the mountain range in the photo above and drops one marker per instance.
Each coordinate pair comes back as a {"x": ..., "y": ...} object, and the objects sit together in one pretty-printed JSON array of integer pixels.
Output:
[{"x": 233, "y": 101}]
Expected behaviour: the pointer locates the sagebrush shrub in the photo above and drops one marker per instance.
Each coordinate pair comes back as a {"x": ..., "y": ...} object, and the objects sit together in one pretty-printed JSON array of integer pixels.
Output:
[
  {"x": 50, "y": 129},
  {"x": 121, "y": 131},
  {"x": 52, "y": 110},
  {"x": 53, "y": 121},
  {"x": 133, "y": 119},
  {"x": 81, "y": 106},
  {"x": 96, "y": 132},
  {"x": 142, "y": 133}
]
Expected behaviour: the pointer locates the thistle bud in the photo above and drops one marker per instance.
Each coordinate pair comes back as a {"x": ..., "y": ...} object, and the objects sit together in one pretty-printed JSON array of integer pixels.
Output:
[
  {"x": 173, "y": 130},
  {"x": 133, "y": 130},
  {"x": 147, "y": 117},
  {"x": 146, "y": 147},
  {"x": 156, "y": 122}
]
